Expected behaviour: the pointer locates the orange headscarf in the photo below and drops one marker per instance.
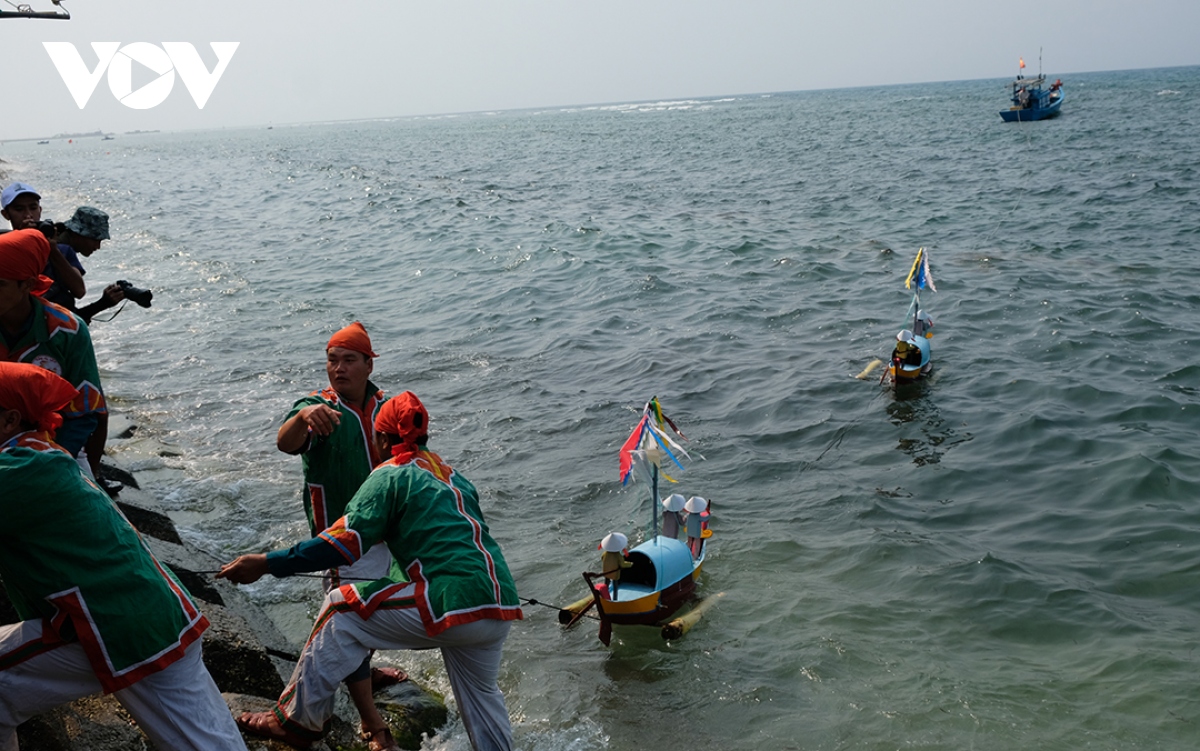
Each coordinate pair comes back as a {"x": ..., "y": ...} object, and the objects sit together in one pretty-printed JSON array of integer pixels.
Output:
[
  {"x": 353, "y": 337},
  {"x": 23, "y": 256},
  {"x": 404, "y": 416},
  {"x": 36, "y": 393}
]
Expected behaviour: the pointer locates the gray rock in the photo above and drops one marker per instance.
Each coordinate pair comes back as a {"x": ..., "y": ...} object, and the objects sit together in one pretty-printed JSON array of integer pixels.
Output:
[
  {"x": 236, "y": 659},
  {"x": 95, "y": 723},
  {"x": 411, "y": 712},
  {"x": 342, "y": 736},
  {"x": 142, "y": 512}
]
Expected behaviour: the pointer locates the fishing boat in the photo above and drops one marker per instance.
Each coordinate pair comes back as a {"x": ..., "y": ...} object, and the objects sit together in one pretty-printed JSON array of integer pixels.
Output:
[
  {"x": 650, "y": 584},
  {"x": 912, "y": 357},
  {"x": 1031, "y": 99}
]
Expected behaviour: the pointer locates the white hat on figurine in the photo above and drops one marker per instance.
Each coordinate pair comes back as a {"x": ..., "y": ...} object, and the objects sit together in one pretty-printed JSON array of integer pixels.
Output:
[
  {"x": 905, "y": 336},
  {"x": 614, "y": 542},
  {"x": 695, "y": 504},
  {"x": 673, "y": 502}
]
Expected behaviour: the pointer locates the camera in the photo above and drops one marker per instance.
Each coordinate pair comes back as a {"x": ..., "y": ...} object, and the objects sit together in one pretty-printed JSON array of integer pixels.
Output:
[
  {"x": 137, "y": 294},
  {"x": 47, "y": 228}
]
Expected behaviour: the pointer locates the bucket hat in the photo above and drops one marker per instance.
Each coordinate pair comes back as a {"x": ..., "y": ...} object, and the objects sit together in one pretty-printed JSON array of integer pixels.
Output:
[{"x": 89, "y": 222}]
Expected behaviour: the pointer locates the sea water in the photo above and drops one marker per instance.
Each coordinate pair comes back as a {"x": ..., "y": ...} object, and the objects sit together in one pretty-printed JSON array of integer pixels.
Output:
[{"x": 1005, "y": 557}]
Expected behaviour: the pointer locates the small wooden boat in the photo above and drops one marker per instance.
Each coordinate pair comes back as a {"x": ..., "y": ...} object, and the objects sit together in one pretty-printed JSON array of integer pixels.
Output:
[
  {"x": 1031, "y": 100},
  {"x": 912, "y": 357},
  {"x": 656, "y": 579}
]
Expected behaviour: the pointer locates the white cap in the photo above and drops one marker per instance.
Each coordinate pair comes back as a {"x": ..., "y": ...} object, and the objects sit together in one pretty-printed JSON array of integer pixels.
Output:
[
  {"x": 923, "y": 316},
  {"x": 695, "y": 504},
  {"x": 614, "y": 542},
  {"x": 673, "y": 502},
  {"x": 905, "y": 336}
]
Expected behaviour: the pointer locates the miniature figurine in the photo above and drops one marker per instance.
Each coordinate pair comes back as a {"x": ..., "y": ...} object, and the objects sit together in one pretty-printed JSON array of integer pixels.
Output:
[
  {"x": 671, "y": 518},
  {"x": 906, "y": 352},
  {"x": 613, "y": 560},
  {"x": 695, "y": 507},
  {"x": 923, "y": 328}
]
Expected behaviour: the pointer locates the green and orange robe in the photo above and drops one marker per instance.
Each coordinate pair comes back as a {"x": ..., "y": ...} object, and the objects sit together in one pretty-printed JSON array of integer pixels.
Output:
[
  {"x": 429, "y": 516},
  {"x": 69, "y": 557}
]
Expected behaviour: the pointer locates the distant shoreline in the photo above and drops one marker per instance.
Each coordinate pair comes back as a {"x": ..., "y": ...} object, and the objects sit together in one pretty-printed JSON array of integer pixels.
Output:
[{"x": 65, "y": 136}]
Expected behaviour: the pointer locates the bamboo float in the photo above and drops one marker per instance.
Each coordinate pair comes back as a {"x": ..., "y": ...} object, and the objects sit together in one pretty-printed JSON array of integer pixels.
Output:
[
  {"x": 676, "y": 628},
  {"x": 869, "y": 369},
  {"x": 571, "y": 614}
]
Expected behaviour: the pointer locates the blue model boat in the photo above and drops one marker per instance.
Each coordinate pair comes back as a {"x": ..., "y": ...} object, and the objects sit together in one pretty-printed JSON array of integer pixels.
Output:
[
  {"x": 658, "y": 577},
  {"x": 912, "y": 357},
  {"x": 1031, "y": 100}
]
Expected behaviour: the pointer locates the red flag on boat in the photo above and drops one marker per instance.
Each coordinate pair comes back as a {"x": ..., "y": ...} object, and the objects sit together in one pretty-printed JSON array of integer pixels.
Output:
[
  {"x": 1022, "y": 62},
  {"x": 631, "y": 444}
]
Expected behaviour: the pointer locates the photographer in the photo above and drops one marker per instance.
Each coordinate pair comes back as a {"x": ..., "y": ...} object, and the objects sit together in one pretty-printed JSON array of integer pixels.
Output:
[
  {"x": 82, "y": 234},
  {"x": 21, "y": 205}
]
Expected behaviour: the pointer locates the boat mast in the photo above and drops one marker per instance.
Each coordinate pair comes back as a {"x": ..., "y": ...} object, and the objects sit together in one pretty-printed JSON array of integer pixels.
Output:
[
  {"x": 653, "y": 410},
  {"x": 654, "y": 504}
]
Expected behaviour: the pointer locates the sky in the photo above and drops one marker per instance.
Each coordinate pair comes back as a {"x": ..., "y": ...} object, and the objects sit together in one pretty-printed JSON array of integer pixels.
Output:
[{"x": 305, "y": 61}]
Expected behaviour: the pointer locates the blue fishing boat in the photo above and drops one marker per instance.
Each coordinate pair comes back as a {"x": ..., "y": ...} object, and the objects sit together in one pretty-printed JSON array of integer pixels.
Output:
[
  {"x": 648, "y": 585},
  {"x": 1032, "y": 99}
]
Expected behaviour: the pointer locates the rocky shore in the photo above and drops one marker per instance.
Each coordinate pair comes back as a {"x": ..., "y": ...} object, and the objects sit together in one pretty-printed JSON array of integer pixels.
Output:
[{"x": 246, "y": 654}]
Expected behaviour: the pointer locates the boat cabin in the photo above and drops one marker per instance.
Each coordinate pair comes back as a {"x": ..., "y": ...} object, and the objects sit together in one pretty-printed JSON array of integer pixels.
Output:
[{"x": 657, "y": 564}]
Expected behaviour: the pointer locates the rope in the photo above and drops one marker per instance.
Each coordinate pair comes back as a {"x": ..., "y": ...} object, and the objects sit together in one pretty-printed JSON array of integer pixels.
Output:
[
  {"x": 548, "y": 605},
  {"x": 841, "y": 432},
  {"x": 526, "y": 600},
  {"x": 1025, "y": 125}
]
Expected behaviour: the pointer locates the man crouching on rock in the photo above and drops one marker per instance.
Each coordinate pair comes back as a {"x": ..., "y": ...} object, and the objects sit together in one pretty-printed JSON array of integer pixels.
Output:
[
  {"x": 99, "y": 612},
  {"x": 460, "y": 597}
]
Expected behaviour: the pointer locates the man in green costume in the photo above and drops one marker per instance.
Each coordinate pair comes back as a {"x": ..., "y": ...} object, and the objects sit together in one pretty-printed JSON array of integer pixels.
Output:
[
  {"x": 332, "y": 429},
  {"x": 99, "y": 612},
  {"x": 459, "y": 597},
  {"x": 51, "y": 337}
]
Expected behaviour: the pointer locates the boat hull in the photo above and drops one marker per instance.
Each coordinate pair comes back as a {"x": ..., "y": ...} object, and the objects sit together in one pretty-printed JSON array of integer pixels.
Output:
[
  {"x": 1031, "y": 114},
  {"x": 662, "y": 580},
  {"x": 904, "y": 372},
  {"x": 909, "y": 373},
  {"x": 652, "y": 608}
]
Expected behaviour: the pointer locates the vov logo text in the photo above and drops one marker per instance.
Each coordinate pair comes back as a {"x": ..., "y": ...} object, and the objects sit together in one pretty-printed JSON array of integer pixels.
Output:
[{"x": 165, "y": 60}]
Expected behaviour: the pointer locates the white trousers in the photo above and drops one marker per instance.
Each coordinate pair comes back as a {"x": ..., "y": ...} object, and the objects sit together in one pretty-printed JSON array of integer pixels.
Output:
[
  {"x": 375, "y": 564},
  {"x": 179, "y": 708},
  {"x": 85, "y": 465},
  {"x": 342, "y": 639}
]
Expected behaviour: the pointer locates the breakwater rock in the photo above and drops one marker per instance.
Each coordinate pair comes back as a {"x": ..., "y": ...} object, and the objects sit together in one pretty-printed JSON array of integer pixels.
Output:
[{"x": 246, "y": 654}]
